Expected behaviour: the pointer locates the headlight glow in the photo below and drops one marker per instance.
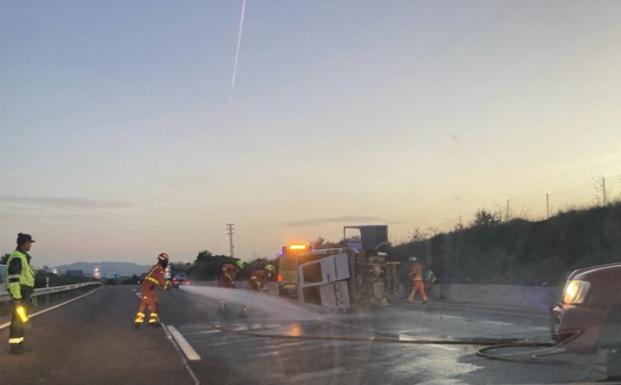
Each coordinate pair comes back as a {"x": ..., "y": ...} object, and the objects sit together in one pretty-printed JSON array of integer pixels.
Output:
[{"x": 576, "y": 291}]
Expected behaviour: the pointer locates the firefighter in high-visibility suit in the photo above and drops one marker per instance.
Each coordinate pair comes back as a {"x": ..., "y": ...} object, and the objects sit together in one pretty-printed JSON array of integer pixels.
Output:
[
  {"x": 257, "y": 280},
  {"x": 156, "y": 277},
  {"x": 21, "y": 285},
  {"x": 227, "y": 278},
  {"x": 418, "y": 280}
]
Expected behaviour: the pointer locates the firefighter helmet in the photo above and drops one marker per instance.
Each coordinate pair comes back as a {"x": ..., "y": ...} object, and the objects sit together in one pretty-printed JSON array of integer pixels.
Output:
[
  {"x": 163, "y": 257},
  {"x": 269, "y": 267},
  {"x": 240, "y": 264}
]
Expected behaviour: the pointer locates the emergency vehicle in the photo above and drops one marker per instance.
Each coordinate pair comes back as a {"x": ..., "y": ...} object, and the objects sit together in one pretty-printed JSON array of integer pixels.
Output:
[
  {"x": 288, "y": 260},
  {"x": 588, "y": 318}
]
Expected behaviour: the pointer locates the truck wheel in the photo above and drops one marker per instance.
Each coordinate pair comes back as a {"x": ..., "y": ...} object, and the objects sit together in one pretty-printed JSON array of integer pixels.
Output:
[{"x": 613, "y": 364}]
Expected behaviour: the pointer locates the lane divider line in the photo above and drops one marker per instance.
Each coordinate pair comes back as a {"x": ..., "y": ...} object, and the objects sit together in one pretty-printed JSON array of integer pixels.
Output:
[
  {"x": 183, "y": 344},
  {"x": 7, "y": 324},
  {"x": 212, "y": 331},
  {"x": 183, "y": 360}
]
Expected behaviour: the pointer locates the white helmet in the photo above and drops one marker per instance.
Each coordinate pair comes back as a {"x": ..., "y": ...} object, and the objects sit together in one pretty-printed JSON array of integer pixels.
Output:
[{"x": 413, "y": 259}]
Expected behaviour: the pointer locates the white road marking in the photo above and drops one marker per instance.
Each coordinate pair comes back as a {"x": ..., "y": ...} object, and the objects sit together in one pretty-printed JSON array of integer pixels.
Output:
[
  {"x": 405, "y": 337},
  {"x": 183, "y": 360},
  {"x": 474, "y": 309},
  {"x": 7, "y": 324},
  {"x": 444, "y": 347},
  {"x": 183, "y": 344},
  {"x": 499, "y": 323},
  {"x": 204, "y": 332}
]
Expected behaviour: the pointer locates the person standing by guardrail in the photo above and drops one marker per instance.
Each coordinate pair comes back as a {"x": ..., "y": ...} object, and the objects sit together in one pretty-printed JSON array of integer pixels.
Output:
[
  {"x": 21, "y": 285},
  {"x": 418, "y": 280}
]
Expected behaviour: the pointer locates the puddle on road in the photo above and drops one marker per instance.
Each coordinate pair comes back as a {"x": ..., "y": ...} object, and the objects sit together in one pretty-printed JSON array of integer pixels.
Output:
[{"x": 439, "y": 366}]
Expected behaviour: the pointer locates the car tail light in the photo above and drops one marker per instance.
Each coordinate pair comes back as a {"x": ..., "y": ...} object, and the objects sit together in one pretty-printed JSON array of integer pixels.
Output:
[
  {"x": 279, "y": 277},
  {"x": 188, "y": 282}
]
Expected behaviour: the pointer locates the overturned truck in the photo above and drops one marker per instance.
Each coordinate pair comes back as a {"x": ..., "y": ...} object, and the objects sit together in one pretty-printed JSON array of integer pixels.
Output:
[{"x": 358, "y": 274}]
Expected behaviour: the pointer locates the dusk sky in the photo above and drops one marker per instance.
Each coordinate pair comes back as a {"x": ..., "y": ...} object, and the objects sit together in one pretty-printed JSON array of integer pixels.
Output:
[{"x": 118, "y": 138}]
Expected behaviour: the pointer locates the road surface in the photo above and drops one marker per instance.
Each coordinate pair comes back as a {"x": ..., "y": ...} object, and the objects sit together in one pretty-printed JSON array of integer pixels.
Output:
[
  {"x": 92, "y": 341},
  {"x": 233, "y": 358}
]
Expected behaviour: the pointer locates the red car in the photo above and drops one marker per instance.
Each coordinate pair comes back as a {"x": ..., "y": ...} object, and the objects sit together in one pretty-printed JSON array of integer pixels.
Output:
[
  {"x": 180, "y": 279},
  {"x": 589, "y": 315}
]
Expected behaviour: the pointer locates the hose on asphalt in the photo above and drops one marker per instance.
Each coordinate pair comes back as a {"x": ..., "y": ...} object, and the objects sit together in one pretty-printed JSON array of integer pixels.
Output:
[{"x": 487, "y": 345}]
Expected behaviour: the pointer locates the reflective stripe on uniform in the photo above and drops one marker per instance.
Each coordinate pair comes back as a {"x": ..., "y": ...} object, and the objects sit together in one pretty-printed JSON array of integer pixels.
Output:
[
  {"x": 155, "y": 281},
  {"x": 16, "y": 340},
  {"x": 140, "y": 314},
  {"x": 13, "y": 278},
  {"x": 153, "y": 315}
]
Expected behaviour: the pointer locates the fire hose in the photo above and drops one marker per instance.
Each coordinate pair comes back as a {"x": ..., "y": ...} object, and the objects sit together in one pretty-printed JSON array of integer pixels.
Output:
[{"x": 487, "y": 345}]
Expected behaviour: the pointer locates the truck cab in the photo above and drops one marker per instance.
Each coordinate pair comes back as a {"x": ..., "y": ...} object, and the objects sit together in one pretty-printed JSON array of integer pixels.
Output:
[
  {"x": 353, "y": 272},
  {"x": 588, "y": 318},
  {"x": 288, "y": 260}
]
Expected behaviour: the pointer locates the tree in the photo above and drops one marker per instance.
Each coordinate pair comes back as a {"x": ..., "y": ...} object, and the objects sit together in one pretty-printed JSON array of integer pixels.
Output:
[
  {"x": 486, "y": 218},
  {"x": 204, "y": 256},
  {"x": 207, "y": 265},
  {"x": 321, "y": 243},
  {"x": 418, "y": 235},
  {"x": 4, "y": 259}
]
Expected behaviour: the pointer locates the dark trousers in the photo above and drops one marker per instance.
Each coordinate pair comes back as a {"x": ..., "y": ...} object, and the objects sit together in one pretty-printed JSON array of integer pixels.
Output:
[{"x": 16, "y": 333}]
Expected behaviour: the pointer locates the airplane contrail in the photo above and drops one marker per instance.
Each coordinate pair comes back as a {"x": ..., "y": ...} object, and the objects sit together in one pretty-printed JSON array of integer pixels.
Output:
[{"x": 239, "y": 37}]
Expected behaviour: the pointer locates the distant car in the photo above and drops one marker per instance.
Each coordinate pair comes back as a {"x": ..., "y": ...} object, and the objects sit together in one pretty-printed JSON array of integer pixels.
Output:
[
  {"x": 588, "y": 318},
  {"x": 180, "y": 279}
]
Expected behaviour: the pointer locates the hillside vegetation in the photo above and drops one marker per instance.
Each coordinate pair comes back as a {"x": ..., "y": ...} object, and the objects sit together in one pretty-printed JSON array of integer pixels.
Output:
[{"x": 520, "y": 251}]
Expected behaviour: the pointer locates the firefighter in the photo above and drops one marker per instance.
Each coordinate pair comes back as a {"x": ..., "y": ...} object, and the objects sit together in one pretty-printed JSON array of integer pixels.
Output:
[
  {"x": 227, "y": 278},
  {"x": 259, "y": 278},
  {"x": 156, "y": 277},
  {"x": 21, "y": 286},
  {"x": 418, "y": 280}
]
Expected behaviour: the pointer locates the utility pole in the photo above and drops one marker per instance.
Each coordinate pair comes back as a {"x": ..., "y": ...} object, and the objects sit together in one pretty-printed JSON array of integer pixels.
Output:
[
  {"x": 604, "y": 200},
  {"x": 230, "y": 230},
  {"x": 507, "y": 212},
  {"x": 547, "y": 206}
]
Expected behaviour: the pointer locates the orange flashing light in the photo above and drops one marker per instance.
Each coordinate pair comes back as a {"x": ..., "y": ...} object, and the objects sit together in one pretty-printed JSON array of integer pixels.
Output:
[{"x": 298, "y": 247}]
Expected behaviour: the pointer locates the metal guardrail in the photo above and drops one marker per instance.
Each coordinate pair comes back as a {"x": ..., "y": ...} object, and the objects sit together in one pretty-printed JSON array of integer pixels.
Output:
[{"x": 5, "y": 297}]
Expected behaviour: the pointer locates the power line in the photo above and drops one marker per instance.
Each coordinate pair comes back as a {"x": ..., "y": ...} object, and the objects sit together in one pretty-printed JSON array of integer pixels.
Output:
[
  {"x": 230, "y": 230},
  {"x": 604, "y": 200}
]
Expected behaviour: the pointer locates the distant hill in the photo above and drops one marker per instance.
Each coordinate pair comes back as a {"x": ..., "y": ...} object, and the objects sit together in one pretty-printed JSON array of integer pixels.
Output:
[{"x": 107, "y": 268}]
